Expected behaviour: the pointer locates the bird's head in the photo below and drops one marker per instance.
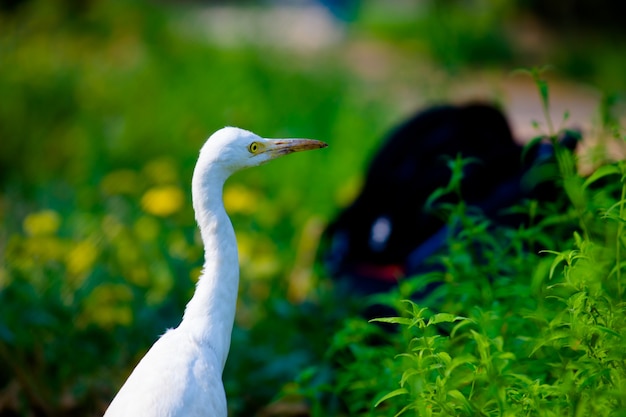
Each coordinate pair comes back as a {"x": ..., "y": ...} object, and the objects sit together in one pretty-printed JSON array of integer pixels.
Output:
[{"x": 231, "y": 149}]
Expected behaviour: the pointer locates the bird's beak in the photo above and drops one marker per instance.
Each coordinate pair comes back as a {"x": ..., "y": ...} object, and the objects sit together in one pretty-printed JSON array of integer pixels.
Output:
[{"x": 280, "y": 147}]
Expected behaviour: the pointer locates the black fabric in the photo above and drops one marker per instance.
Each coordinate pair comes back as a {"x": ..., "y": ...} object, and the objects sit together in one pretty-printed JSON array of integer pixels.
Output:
[{"x": 408, "y": 168}]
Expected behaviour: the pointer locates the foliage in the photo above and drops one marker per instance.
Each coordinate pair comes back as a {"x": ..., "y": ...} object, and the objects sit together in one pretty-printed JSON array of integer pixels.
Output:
[{"x": 509, "y": 330}]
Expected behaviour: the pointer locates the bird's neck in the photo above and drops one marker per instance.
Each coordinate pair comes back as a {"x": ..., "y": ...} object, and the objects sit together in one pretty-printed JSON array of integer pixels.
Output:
[{"x": 210, "y": 313}]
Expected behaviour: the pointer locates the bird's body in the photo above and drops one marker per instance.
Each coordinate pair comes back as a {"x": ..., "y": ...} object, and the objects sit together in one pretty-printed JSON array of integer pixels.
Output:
[
  {"x": 173, "y": 379},
  {"x": 181, "y": 375}
]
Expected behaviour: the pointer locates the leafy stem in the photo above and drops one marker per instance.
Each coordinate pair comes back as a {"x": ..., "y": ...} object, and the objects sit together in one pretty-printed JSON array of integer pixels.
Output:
[{"x": 620, "y": 230}]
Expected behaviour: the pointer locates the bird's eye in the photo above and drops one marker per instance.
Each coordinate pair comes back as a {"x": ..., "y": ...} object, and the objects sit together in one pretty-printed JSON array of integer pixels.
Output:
[{"x": 253, "y": 147}]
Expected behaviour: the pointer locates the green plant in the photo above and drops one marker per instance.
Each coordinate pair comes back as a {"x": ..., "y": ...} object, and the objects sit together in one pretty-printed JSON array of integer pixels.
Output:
[{"x": 515, "y": 327}]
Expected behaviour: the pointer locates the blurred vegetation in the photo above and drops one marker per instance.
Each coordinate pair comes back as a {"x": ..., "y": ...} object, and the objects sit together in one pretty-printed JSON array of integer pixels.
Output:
[
  {"x": 103, "y": 107},
  {"x": 582, "y": 39}
]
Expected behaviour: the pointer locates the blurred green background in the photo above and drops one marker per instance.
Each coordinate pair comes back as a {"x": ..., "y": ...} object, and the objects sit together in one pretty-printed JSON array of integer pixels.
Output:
[{"x": 105, "y": 104}]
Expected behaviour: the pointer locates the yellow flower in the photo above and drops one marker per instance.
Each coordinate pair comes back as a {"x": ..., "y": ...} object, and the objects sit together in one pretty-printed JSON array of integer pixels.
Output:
[
  {"x": 163, "y": 201},
  {"x": 42, "y": 223},
  {"x": 81, "y": 257}
]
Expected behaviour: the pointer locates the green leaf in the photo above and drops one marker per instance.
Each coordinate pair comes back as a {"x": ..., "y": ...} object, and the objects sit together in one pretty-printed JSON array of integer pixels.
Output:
[
  {"x": 617, "y": 267},
  {"x": 395, "y": 393},
  {"x": 560, "y": 257},
  {"x": 524, "y": 379},
  {"x": 609, "y": 331},
  {"x": 540, "y": 272},
  {"x": 531, "y": 145},
  {"x": 601, "y": 172},
  {"x": 416, "y": 310},
  {"x": 459, "y": 397},
  {"x": 434, "y": 196},
  {"x": 614, "y": 218},
  {"x": 408, "y": 374},
  {"x": 460, "y": 325},
  {"x": 544, "y": 90},
  {"x": 394, "y": 320},
  {"x": 508, "y": 356},
  {"x": 554, "y": 336},
  {"x": 405, "y": 409},
  {"x": 614, "y": 207},
  {"x": 466, "y": 360},
  {"x": 444, "y": 357},
  {"x": 444, "y": 318},
  {"x": 566, "y": 115}
]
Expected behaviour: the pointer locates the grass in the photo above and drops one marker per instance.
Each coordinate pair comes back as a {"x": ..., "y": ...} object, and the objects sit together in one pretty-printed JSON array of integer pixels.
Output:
[{"x": 103, "y": 110}]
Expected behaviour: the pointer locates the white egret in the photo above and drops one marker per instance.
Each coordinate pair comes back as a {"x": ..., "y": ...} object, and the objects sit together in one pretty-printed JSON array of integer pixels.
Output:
[{"x": 181, "y": 375}]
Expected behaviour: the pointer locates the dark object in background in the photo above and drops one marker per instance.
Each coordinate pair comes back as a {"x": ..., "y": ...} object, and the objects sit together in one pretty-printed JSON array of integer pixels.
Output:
[
  {"x": 386, "y": 234},
  {"x": 572, "y": 16}
]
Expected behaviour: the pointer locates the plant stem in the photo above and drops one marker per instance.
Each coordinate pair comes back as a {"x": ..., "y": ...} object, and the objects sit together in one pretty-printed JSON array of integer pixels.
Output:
[{"x": 620, "y": 230}]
